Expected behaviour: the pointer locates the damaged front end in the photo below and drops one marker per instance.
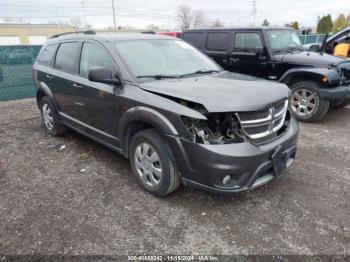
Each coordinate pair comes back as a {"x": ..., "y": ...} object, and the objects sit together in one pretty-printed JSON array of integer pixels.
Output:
[
  {"x": 219, "y": 128},
  {"x": 236, "y": 127}
]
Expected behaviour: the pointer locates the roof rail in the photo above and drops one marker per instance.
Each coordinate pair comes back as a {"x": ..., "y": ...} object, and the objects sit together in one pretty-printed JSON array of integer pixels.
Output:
[{"x": 87, "y": 32}]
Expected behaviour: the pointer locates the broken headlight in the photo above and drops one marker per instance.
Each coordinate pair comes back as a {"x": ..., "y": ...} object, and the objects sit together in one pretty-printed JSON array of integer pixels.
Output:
[{"x": 219, "y": 128}]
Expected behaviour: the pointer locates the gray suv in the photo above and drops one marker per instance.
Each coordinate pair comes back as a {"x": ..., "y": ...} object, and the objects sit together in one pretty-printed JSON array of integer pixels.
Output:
[{"x": 176, "y": 114}]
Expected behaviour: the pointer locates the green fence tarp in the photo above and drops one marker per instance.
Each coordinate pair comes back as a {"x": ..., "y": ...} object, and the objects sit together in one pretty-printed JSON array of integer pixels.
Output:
[{"x": 16, "y": 81}]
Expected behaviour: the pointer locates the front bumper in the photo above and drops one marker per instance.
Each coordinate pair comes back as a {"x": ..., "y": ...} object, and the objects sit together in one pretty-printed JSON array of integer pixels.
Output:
[
  {"x": 248, "y": 165},
  {"x": 336, "y": 93}
]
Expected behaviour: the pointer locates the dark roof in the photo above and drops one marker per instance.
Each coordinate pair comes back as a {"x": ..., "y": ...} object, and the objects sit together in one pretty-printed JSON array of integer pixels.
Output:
[
  {"x": 111, "y": 37},
  {"x": 237, "y": 28}
]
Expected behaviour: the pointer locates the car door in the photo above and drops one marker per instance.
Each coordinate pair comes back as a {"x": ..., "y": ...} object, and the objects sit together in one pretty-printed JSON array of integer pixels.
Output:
[
  {"x": 63, "y": 78},
  {"x": 96, "y": 105},
  {"x": 248, "y": 55},
  {"x": 217, "y": 47}
]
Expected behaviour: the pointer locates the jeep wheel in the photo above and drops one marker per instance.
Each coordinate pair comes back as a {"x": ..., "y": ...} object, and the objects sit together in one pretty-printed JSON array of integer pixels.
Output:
[
  {"x": 152, "y": 163},
  {"x": 305, "y": 102},
  {"x": 50, "y": 118}
]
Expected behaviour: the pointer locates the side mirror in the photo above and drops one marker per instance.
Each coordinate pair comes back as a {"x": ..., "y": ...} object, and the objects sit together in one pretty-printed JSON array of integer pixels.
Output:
[
  {"x": 315, "y": 48},
  {"x": 260, "y": 51},
  {"x": 104, "y": 75}
]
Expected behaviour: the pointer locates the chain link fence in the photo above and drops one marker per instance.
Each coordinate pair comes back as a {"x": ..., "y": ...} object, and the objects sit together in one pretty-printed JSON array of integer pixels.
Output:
[{"x": 16, "y": 81}]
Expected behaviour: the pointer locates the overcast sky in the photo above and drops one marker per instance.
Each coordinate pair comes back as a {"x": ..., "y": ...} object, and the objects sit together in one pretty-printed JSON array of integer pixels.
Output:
[{"x": 140, "y": 13}]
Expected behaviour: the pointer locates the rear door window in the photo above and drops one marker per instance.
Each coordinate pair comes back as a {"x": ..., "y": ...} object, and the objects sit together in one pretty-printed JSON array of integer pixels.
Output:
[
  {"x": 197, "y": 39},
  {"x": 247, "y": 42},
  {"x": 47, "y": 54},
  {"x": 93, "y": 56},
  {"x": 66, "y": 56},
  {"x": 218, "y": 41}
]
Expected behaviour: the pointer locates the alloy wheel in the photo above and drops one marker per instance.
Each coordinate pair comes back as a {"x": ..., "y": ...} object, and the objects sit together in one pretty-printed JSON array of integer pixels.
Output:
[
  {"x": 148, "y": 165},
  {"x": 47, "y": 116},
  {"x": 303, "y": 102}
]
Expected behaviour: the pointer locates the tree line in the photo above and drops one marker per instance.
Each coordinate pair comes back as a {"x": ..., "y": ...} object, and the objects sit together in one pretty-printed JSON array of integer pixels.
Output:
[{"x": 326, "y": 24}]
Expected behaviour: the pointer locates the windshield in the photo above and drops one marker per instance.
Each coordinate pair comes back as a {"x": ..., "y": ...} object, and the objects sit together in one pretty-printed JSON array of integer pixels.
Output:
[
  {"x": 283, "y": 39},
  {"x": 163, "y": 57}
]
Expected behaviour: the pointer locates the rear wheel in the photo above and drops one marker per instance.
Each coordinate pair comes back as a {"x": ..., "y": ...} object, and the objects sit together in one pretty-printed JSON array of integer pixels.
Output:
[
  {"x": 153, "y": 164},
  {"x": 305, "y": 102},
  {"x": 50, "y": 118}
]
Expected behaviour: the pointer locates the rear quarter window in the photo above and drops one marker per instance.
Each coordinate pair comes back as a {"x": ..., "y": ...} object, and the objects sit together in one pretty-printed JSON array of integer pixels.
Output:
[
  {"x": 66, "y": 56},
  {"x": 218, "y": 41},
  {"x": 47, "y": 54},
  {"x": 197, "y": 39}
]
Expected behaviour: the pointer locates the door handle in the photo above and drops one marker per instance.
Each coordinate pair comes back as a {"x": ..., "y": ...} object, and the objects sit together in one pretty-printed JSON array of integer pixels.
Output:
[
  {"x": 49, "y": 76},
  {"x": 234, "y": 60},
  {"x": 77, "y": 85}
]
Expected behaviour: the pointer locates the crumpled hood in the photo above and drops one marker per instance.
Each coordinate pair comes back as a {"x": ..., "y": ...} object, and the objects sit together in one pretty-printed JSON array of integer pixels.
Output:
[
  {"x": 309, "y": 59},
  {"x": 224, "y": 92}
]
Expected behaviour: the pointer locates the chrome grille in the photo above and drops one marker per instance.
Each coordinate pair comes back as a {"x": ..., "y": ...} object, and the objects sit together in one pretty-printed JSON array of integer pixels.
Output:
[
  {"x": 263, "y": 123},
  {"x": 255, "y": 115}
]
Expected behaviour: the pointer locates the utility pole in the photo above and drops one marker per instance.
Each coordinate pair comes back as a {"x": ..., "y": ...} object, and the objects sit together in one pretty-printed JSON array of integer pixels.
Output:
[
  {"x": 58, "y": 19},
  {"x": 254, "y": 11},
  {"x": 115, "y": 24},
  {"x": 82, "y": 2}
]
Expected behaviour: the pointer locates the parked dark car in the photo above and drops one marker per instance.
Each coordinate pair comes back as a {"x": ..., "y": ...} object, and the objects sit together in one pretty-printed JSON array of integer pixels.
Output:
[
  {"x": 318, "y": 81},
  {"x": 177, "y": 115},
  {"x": 328, "y": 45}
]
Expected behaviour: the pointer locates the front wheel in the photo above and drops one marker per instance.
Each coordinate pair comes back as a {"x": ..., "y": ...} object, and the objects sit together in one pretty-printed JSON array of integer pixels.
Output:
[
  {"x": 305, "y": 102},
  {"x": 153, "y": 164}
]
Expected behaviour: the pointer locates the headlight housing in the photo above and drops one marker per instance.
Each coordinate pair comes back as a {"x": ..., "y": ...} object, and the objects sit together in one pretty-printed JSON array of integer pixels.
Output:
[{"x": 219, "y": 128}]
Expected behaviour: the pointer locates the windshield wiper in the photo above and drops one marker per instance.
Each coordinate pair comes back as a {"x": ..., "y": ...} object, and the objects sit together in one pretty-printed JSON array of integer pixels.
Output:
[
  {"x": 201, "y": 72},
  {"x": 288, "y": 50},
  {"x": 296, "y": 49},
  {"x": 158, "y": 77}
]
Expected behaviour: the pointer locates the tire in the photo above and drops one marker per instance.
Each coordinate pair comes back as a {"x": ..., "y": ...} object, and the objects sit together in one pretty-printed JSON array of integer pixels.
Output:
[
  {"x": 149, "y": 153},
  {"x": 340, "y": 104},
  {"x": 50, "y": 119},
  {"x": 305, "y": 102}
]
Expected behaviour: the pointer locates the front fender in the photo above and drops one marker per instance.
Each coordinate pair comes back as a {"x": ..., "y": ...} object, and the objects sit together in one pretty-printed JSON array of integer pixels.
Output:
[
  {"x": 144, "y": 115},
  {"x": 315, "y": 73},
  {"x": 149, "y": 116}
]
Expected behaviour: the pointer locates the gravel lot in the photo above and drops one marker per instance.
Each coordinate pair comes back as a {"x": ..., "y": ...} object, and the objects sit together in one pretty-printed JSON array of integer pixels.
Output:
[{"x": 83, "y": 199}]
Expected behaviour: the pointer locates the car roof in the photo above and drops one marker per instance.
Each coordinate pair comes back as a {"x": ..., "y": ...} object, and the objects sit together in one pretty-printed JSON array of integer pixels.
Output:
[
  {"x": 261, "y": 28},
  {"x": 110, "y": 37},
  {"x": 335, "y": 36}
]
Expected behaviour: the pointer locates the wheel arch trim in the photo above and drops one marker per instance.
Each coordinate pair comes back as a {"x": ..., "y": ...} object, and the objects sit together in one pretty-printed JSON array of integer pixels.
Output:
[
  {"x": 148, "y": 116},
  {"x": 314, "y": 73},
  {"x": 46, "y": 90}
]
